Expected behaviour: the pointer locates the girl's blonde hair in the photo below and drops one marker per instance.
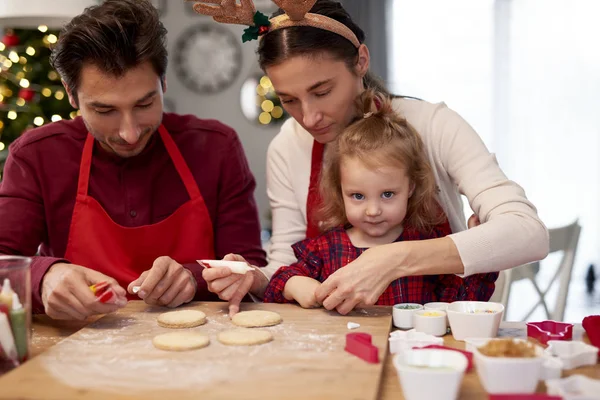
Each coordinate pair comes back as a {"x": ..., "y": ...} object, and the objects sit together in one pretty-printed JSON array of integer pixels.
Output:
[{"x": 380, "y": 137}]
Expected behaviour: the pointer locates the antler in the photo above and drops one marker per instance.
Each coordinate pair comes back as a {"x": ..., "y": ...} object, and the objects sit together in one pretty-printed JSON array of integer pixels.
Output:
[
  {"x": 295, "y": 9},
  {"x": 227, "y": 11}
]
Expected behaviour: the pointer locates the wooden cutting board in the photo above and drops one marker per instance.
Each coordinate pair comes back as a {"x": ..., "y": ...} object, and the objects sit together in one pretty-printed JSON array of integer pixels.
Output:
[{"x": 113, "y": 358}]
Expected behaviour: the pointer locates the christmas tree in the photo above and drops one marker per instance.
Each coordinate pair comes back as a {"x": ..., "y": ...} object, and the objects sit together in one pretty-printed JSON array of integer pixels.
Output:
[{"x": 31, "y": 93}]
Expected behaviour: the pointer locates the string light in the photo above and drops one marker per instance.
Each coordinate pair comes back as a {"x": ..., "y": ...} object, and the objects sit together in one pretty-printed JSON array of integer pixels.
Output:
[
  {"x": 2, "y": 46},
  {"x": 264, "y": 118},
  {"x": 20, "y": 102},
  {"x": 73, "y": 114},
  {"x": 52, "y": 75},
  {"x": 20, "y": 75},
  {"x": 13, "y": 56},
  {"x": 24, "y": 83},
  {"x": 267, "y": 106},
  {"x": 277, "y": 112},
  {"x": 12, "y": 115},
  {"x": 38, "y": 121},
  {"x": 22, "y": 60},
  {"x": 1, "y": 100},
  {"x": 7, "y": 64},
  {"x": 46, "y": 92},
  {"x": 59, "y": 95},
  {"x": 52, "y": 38},
  {"x": 2, "y": 146},
  {"x": 30, "y": 51},
  {"x": 43, "y": 28},
  {"x": 56, "y": 117},
  {"x": 1, "y": 125}
]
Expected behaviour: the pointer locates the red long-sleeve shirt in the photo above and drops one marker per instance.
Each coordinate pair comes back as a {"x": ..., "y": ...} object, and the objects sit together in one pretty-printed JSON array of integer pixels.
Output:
[{"x": 37, "y": 193}]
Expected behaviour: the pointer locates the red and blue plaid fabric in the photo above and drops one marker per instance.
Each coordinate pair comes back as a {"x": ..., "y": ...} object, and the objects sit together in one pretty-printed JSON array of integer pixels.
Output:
[{"x": 321, "y": 256}]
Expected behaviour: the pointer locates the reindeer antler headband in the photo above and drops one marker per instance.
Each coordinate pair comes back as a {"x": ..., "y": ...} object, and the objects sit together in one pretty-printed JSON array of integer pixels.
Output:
[{"x": 296, "y": 14}]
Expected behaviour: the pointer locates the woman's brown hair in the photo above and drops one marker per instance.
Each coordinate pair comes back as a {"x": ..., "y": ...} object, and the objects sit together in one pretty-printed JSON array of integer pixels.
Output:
[
  {"x": 115, "y": 36},
  {"x": 378, "y": 137},
  {"x": 282, "y": 44}
]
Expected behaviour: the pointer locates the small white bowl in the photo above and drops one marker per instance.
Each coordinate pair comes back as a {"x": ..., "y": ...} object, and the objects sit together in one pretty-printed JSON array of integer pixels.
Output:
[
  {"x": 474, "y": 319},
  {"x": 430, "y": 373},
  {"x": 575, "y": 387},
  {"x": 402, "y": 315},
  {"x": 432, "y": 322},
  {"x": 572, "y": 354},
  {"x": 438, "y": 305},
  {"x": 510, "y": 374}
]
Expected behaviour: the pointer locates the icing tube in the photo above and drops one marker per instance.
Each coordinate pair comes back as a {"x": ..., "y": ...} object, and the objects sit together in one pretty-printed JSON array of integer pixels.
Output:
[
  {"x": 18, "y": 322},
  {"x": 6, "y": 338},
  {"x": 6, "y": 295}
]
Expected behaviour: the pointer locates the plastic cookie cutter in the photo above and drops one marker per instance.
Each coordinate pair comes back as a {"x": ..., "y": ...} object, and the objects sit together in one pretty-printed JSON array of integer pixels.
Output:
[
  {"x": 591, "y": 324},
  {"x": 237, "y": 267},
  {"x": 549, "y": 330},
  {"x": 467, "y": 354},
  {"x": 572, "y": 354},
  {"x": 103, "y": 291},
  {"x": 401, "y": 340},
  {"x": 574, "y": 387},
  {"x": 360, "y": 344}
]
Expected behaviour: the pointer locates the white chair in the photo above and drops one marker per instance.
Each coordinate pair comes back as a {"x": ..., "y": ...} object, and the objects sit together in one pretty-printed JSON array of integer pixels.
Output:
[{"x": 563, "y": 239}]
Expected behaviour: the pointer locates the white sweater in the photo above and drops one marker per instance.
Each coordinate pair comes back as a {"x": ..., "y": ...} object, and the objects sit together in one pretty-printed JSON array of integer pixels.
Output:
[{"x": 510, "y": 233}]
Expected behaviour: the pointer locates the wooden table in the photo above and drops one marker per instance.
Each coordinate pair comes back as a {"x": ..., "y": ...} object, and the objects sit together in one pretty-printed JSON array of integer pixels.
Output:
[{"x": 47, "y": 332}]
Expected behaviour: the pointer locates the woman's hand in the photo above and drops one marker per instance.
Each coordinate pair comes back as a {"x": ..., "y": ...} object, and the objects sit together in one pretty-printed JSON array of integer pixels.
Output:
[
  {"x": 233, "y": 287},
  {"x": 360, "y": 282}
]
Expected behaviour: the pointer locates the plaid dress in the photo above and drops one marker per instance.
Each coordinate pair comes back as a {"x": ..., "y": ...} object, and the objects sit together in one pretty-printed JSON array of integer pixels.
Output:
[{"x": 321, "y": 256}]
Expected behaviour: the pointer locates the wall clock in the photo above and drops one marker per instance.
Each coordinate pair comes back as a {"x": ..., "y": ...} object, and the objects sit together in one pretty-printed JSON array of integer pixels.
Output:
[{"x": 207, "y": 58}]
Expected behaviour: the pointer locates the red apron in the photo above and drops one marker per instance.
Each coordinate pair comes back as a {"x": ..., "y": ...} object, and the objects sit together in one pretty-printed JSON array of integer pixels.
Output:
[
  {"x": 97, "y": 242},
  {"x": 313, "y": 200}
]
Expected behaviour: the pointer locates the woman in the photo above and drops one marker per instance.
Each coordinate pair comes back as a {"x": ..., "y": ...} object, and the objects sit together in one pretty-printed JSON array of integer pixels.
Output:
[{"x": 318, "y": 71}]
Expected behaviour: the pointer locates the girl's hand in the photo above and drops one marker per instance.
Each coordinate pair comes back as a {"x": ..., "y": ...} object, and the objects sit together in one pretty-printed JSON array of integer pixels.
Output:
[{"x": 302, "y": 290}]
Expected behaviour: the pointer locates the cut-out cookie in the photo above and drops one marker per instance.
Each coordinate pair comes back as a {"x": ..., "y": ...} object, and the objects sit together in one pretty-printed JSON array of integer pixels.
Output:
[
  {"x": 256, "y": 318},
  {"x": 180, "y": 341},
  {"x": 244, "y": 337},
  {"x": 182, "y": 319}
]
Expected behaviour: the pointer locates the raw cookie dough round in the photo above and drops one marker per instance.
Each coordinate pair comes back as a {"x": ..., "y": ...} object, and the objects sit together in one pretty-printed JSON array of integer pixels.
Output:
[
  {"x": 256, "y": 318},
  {"x": 180, "y": 341},
  {"x": 244, "y": 337},
  {"x": 182, "y": 319}
]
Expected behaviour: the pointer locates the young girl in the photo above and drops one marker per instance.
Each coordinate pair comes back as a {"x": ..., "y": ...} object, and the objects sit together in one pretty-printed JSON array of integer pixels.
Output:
[{"x": 377, "y": 187}]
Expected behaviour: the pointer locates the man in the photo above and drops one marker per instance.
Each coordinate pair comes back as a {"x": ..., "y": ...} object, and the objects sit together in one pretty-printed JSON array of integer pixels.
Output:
[{"x": 124, "y": 193}]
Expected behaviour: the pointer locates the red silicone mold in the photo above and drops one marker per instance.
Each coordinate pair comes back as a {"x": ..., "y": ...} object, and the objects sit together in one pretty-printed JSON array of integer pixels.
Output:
[
  {"x": 360, "y": 345},
  {"x": 591, "y": 324},
  {"x": 549, "y": 330}
]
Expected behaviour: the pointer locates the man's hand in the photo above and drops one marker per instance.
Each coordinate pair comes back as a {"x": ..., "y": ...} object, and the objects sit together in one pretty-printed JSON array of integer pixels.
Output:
[
  {"x": 167, "y": 283},
  {"x": 302, "y": 290},
  {"x": 233, "y": 287},
  {"x": 66, "y": 293}
]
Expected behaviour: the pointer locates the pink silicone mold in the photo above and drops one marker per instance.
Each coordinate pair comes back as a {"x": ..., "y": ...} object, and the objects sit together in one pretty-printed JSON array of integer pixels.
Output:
[{"x": 549, "y": 330}]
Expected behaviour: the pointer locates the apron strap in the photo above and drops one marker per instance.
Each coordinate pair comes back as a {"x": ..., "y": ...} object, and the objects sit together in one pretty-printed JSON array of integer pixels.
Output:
[
  {"x": 180, "y": 164},
  {"x": 313, "y": 199},
  {"x": 85, "y": 166}
]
